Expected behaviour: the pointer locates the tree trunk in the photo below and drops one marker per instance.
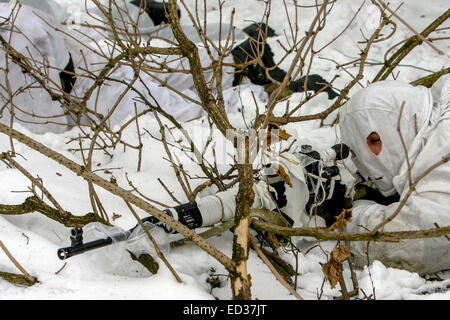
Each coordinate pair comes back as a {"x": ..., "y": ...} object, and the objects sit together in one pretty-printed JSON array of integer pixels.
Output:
[{"x": 241, "y": 280}]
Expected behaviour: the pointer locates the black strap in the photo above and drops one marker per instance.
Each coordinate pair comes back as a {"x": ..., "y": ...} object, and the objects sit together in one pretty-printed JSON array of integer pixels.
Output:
[{"x": 189, "y": 215}]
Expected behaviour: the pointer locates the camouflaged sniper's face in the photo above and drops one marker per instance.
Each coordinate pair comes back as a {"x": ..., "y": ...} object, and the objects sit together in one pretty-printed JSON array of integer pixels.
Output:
[{"x": 383, "y": 108}]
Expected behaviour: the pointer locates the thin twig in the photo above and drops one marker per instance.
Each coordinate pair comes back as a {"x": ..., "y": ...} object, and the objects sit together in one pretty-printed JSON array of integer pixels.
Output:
[
  {"x": 155, "y": 244},
  {"x": 36, "y": 182},
  {"x": 272, "y": 268},
  {"x": 403, "y": 143},
  {"x": 421, "y": 37},
  {"x": 17, "y": 264}
]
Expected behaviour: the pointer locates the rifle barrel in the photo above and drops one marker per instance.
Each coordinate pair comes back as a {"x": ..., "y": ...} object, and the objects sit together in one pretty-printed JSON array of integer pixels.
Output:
[
  {"x": 79, "y": 247},
  {"x": 64, "y": 253}
]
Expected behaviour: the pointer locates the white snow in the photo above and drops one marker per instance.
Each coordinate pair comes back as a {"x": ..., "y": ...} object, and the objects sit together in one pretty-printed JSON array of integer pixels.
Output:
[{"x": 109, "y": 273}]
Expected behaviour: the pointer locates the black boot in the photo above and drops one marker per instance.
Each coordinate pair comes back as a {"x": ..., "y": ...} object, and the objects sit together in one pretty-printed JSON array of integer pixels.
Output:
[
  {"x": 314, "y": 82},
  {"x": 156, "y": 10}
]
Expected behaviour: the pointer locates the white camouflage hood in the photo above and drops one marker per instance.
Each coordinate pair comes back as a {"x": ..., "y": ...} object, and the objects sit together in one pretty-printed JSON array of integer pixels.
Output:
[{"x": 377, "y": 109}]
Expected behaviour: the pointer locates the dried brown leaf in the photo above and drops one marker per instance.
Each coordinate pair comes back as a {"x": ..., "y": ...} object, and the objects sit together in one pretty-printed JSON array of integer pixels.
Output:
[
  {"x": 344, "y": 217},
  {"x": 333, "y": 268},
  {"x": 340, "y": 253},
  {"x": 332, "y": 271},
  {"x": 276, "y": 134},
  {"x": 282, "y": 173}
]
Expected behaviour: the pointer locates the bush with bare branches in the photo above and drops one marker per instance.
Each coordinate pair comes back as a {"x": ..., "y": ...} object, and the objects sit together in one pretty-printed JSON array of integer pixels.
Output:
[{"x": 179, "y": 87}]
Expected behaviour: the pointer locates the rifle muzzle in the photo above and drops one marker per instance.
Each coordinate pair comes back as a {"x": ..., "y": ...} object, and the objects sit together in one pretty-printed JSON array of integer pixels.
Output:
[{"x": 64, "y": 253}]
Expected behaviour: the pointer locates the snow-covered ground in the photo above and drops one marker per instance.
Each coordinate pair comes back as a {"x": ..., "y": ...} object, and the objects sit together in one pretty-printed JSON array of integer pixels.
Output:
[{"x": 109, "y": 273}]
